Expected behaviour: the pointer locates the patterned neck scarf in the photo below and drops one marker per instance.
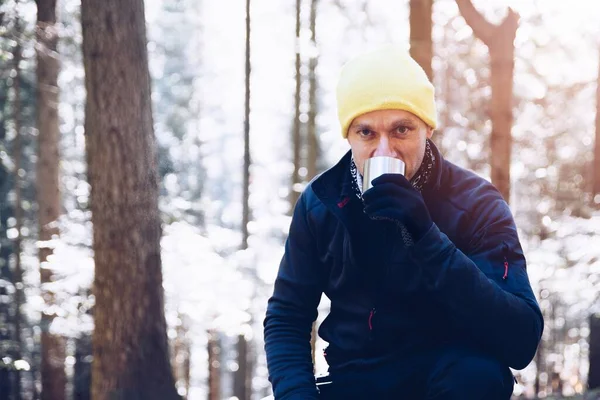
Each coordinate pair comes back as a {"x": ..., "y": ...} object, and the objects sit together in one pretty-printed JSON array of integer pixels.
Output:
[{"x": 418, "y": 181}]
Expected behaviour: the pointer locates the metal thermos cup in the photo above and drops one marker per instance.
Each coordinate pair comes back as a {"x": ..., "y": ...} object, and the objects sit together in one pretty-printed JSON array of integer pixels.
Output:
[{"x": 376, "y": 166}]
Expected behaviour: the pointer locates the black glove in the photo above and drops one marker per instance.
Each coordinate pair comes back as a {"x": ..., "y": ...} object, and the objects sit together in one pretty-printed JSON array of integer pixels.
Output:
[{"x": 392, "y": 197}]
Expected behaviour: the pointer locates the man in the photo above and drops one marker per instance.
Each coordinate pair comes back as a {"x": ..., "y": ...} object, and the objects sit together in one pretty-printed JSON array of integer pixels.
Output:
[{"x": 429, "y": 292}]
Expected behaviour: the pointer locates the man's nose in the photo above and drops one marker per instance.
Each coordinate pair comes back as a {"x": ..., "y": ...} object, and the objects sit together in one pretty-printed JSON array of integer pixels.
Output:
[{"x": 383, "y": 148}]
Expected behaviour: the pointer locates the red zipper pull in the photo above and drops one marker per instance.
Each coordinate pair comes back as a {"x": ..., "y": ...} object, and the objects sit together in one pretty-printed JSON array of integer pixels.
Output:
[
  {"x": 371, "y": 314},
  {"x": 505, "y": 252}
]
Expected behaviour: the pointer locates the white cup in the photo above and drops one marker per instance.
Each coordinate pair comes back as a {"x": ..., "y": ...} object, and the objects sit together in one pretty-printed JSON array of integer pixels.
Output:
[{"x": 377, "y": 166}]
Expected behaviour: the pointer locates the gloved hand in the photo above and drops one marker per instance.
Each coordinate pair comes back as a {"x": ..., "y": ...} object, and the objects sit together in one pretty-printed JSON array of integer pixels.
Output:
[{"x": 392, "y": 197}]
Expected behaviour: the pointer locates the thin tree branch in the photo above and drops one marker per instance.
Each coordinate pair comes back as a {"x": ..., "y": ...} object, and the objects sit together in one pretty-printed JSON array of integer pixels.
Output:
[
  {"x": 483, "y": 29},
  {"x": 511, "y": 21}
]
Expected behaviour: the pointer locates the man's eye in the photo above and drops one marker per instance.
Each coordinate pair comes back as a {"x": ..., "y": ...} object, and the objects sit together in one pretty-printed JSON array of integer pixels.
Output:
[
  {"x": 403, "y": 130},
  {"x": 364, "y": 132}
]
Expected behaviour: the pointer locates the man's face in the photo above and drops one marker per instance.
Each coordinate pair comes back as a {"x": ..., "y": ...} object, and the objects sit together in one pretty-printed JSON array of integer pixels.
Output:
[{"x": 392, "y": 133}]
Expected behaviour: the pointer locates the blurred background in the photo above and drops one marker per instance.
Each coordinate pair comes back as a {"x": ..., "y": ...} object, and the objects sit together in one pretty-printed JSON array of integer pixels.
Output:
[{"x": 241, "y": 126}]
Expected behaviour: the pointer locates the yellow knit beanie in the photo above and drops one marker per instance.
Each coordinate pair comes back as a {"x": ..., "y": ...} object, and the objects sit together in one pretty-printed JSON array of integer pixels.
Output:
[{"x": 384, "y": 79}]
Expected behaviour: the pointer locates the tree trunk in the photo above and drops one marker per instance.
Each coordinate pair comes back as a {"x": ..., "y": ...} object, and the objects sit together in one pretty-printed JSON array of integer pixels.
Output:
[
  {"x": 130, "y": 348},
  {"x": 6, "y": 250},
  {"x": 500, "y": 42},
  {"x": 180, "y": 355},
  {"x": 48, "y": 192},
  {"x": 6, "y": 335},
  {"x": 214, "y": 366},
  {"x": 242, "y": 380},
  {"x": 421, "y": 44},
  {"x": 82, "y": 371},
  {"x": 551, "y": 365},
  {"x": 247, "y": 160},
  {"x": 596, "y": 165},
  {"x": 312, "y": 138},
  {"x": 502, "y": 60},
  {"x": 539, "y": 357},
  {"x": 447, "y": 94},
  {"x": 314, "y": 334},
  {"x": 594, "y": 372},
  {"x": 296, "y": 124},
  {"x": 17, "y": 157}
]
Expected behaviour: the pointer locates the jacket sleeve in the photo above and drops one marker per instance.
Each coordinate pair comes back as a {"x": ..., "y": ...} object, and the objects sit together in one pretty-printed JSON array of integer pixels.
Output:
[
  {"x": 291, "y": 311},
  {"x": 485, "y": 290}
]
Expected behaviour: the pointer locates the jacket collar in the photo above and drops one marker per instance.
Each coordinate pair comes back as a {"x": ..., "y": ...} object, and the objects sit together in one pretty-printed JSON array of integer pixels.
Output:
[{"x": 334, "y": 186}]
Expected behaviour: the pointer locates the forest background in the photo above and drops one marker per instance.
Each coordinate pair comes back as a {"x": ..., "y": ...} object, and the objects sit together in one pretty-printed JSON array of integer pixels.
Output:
[{"x": 240, "y": 117}]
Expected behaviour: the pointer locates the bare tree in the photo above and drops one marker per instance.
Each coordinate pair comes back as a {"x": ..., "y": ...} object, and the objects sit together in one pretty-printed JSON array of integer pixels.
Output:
[
  {"x": 500, "y": 41},
  {"x": 594, "y": 355},
  {"x": 313, "y": 147},
  {"x": 130, "y": 349},
  {"x": 247, "y": 159},
  {"x": 214, "y": 365},
  {"x": 296, "y": 124},
  {"x": 18, "y": 157},
  {"x": 242, "y": 378},
  {"x": 181, "y": 354},
  {"x": 48, "y": 192},
  {"x": 596, "y": 165},
  {"x": 421, "y": 44}
]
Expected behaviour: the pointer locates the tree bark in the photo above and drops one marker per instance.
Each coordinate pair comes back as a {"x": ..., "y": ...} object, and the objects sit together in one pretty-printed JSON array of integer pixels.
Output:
[
  {"x": 311, "y": 131},
  {"x": 130, "y": 348},
  {"x": 421, "y": 44},
  {"x": 447, "y": 94},
  {"x": 82, "y": 371},
  {"x": 539, "y": 357},
  {"x": 242, "y": 380},
  {"x": 594, "y": 372},
  {"x": 6, "y": 308},
  {"x": 314, "y": 151},
  {"x": 596, "y": 165},
  {"x": 6, "y": 248},
  {"x": 247, "y": 159},
  {"x": 180, "y": 355},
  {"x": 214, "y": 366},
  {"x": 17, "y": 157},
  {"x": 500, "y": 41},
  {"x": 296, "y": 125},
  {"x": 48, "y": 192}
]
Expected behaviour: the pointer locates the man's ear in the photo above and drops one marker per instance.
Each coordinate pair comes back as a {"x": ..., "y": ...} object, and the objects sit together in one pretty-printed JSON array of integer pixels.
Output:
[{"x": 429, "y": 132}]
